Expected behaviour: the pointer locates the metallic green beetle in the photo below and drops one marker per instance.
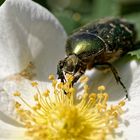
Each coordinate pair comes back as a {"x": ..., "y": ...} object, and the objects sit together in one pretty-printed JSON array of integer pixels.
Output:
[{"x": 97, "y": 45}]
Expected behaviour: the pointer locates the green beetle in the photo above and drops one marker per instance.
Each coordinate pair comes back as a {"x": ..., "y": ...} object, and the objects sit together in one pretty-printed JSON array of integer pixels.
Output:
[{"x": 97, "y": 45}]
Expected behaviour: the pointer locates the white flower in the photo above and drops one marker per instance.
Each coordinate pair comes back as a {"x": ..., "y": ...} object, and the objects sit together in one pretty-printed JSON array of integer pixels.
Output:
[
  {"x": 30, "y": 33},
  {"x": 129, "y": 71}
]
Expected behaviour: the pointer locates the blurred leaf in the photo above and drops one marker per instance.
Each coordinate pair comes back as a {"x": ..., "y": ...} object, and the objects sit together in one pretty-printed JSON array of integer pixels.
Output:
[
  {"x": 129, "y": 6},
  {"x": 58, "y": 4},
  {"x": 67, "y": 21},
  {"x": 81, "y": 6},
  {"x": 2, "y": 1},
  {"x": 43, "y": 3},
  {"x": 105, "y": 8},
  {"x": 135, "y": 53}
]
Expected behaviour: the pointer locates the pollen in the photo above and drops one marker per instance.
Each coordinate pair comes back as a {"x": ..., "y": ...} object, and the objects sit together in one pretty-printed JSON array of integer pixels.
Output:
[
  {"x": 34, "y": 84},
  {"x": 17, "y": 93},
  {"x": 51, "y": 77},
  {"x": 84, "y": 79},
  {"x": 101, "y": 88},
  {"x": 59, "y": 116}
]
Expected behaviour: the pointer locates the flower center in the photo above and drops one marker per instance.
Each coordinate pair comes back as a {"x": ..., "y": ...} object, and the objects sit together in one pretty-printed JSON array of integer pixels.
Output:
[{"x": 59, "y": 116}]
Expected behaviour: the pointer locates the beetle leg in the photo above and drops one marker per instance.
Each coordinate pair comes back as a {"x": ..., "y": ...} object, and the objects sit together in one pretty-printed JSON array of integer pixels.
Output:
[
  {"x": 115, "y": 73},
  {"x": 78, "y": 75},
  {"x": 60, "y": 72}
]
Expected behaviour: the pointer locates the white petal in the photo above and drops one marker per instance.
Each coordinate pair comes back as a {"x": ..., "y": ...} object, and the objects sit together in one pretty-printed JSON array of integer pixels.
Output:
[
  {"x": 129, "y": 71},
  {"x": 131, "y": 132},
  {"x": 9, "y": 86},
  {"x": 10, "y": 132},
  {"x": 29, "y": 33},
  {"x": 132, "y": 119},
  {"x": 9, "y": 120},
  {"x": 13, "y": 43},
  {"x": 125, "y": 68}
]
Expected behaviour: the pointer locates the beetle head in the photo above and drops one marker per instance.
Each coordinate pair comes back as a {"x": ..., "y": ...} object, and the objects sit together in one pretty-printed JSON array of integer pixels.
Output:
[{"x": 69, "y": 65}]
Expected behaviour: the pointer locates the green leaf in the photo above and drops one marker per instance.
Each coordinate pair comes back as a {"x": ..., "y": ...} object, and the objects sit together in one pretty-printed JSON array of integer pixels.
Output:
[
  {"x": 66, "y": 20},
  {"x": 129, "y": 6},
  {"x": 105, "y": 8},
  {"x": 135, "y": 53}
]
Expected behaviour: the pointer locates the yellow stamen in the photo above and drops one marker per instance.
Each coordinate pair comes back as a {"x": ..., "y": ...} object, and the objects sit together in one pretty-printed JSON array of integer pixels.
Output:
[
  {"x": 17, "y": 93},
  {"x": 46, "y": 93},
  {"x": 86, "y": 88},
  {"x": 60, "y": 85},
  {"x": 34, "y": 84},
  {"x": 84, "y": 79},
  {"x": 69, "y": 78},
  {"x": 36, "y": 97},
  {"x": 101, "y": 88},
  {"x": 17, "y": 105},
  {"x": 54, "y": 82},
  {"x": 58, "y": 116},
  {"x": 51, "y": 77},
  {"x": 122, "y": 103}
]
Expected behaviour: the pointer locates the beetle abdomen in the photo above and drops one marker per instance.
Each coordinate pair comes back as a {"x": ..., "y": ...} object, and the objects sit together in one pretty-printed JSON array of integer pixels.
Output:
[{"x": 117, "y": 33}]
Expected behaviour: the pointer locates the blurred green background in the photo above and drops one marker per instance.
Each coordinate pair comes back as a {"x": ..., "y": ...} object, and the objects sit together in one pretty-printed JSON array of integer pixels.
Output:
[{"x": 75, "y": 13}]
